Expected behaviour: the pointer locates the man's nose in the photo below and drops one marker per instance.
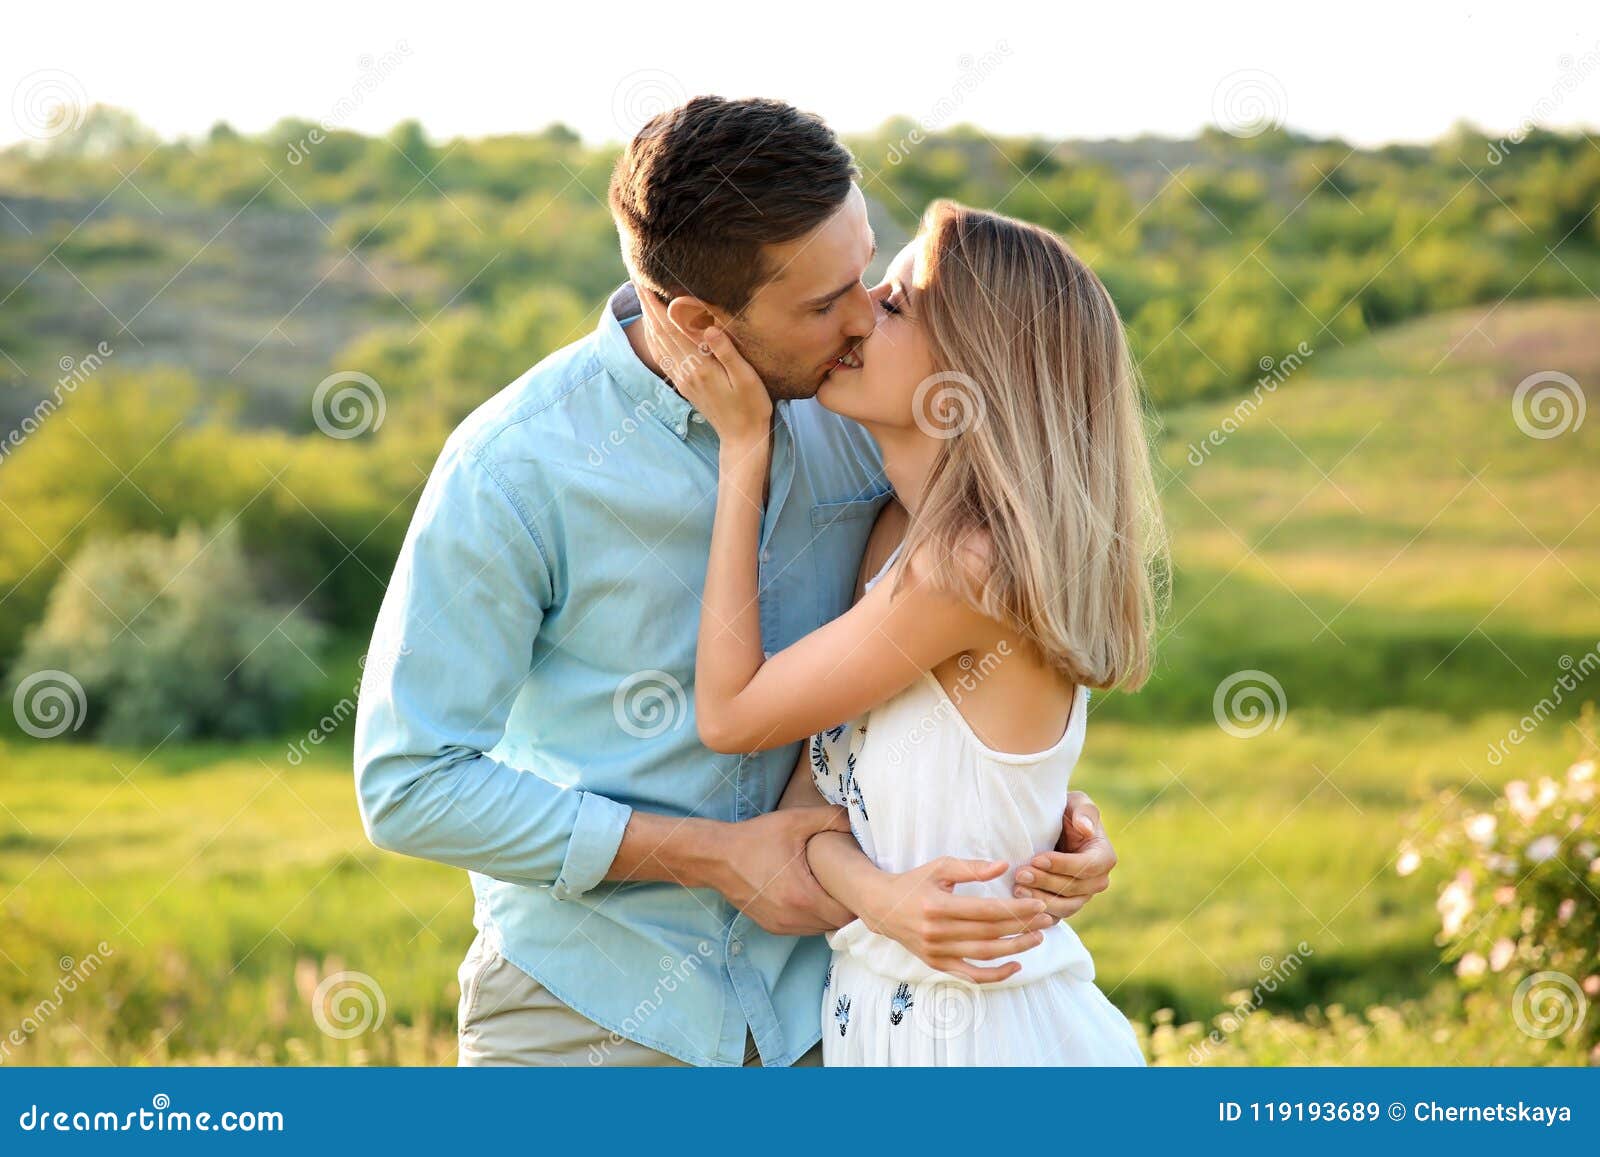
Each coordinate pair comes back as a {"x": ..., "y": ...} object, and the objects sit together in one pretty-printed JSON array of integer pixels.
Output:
[{"x": 862, "y": 316}]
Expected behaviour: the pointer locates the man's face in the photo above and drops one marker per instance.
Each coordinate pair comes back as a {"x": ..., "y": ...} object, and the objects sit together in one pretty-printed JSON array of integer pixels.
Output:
[{"x": 812, "y": 307}]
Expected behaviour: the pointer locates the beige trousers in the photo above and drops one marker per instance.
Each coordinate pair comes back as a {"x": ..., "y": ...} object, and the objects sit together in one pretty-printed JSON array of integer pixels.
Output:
[{"x": 506, "y": 1017}]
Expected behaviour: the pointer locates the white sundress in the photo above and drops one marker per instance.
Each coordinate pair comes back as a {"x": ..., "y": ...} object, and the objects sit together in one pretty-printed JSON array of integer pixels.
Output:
[{"x": 919, "y": 784}]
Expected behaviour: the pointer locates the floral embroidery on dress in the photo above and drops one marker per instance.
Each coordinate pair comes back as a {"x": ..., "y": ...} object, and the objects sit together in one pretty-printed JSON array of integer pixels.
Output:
[
  {"x": 852, "y": 787},
  {"x": 841, "y": 1013},
  {"x": 900, "y": 1004},
  {"x": 827, "y": 977}
]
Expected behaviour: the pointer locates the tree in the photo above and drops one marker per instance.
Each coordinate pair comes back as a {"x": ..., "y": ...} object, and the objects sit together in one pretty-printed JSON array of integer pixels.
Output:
[{"x": 171, "y": 637}]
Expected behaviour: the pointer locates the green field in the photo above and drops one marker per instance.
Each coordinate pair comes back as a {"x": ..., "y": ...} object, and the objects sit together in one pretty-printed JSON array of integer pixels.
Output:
[{"x": 1379, "y": 537}]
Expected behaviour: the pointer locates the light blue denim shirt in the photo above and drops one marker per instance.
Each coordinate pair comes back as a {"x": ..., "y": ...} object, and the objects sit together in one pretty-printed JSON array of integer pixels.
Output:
[{"x": 531, "y": 681}]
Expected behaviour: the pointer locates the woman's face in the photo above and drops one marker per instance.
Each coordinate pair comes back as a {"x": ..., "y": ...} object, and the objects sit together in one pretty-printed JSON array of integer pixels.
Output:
[{"x": 894, "y": 358}]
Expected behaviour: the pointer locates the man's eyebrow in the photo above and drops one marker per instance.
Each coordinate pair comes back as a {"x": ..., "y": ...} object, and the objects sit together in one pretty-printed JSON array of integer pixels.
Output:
[{"x": 819, "y": 302}]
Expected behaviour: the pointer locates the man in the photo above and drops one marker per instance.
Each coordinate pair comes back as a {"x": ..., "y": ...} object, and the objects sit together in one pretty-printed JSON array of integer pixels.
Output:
[{"x": 639, "y": 901}]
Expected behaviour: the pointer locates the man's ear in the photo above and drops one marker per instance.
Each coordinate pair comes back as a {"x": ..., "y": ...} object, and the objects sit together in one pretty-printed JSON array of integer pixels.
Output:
[{"x": 693, "y": 316}]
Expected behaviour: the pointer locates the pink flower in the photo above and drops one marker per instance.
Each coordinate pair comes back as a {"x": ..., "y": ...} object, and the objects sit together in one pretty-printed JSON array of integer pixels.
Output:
[
  {"x": 1480, "y": 828},
  {"x": 1455, "y": 903},
  {"x": 1542, "y": 849},
  {"x": 1471, "y": 965},
  {"x": 1407, "y": 863},
  {"x": 1517, "y": 797},
  {"x": 1500, "y": 955},
  {"x": 1565, "y": 909}
]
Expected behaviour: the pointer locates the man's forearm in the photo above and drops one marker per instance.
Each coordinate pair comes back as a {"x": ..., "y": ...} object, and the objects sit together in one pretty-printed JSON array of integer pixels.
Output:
[{"x": 692, "y": 852}]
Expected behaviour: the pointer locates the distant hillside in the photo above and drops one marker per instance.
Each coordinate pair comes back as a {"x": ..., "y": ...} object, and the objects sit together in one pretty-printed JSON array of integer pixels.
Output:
[{"x": 1380, "y": 528}]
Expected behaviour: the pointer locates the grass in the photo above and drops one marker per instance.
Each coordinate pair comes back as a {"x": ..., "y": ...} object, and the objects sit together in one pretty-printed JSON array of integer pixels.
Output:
[{"x": 1379, "y": 537}]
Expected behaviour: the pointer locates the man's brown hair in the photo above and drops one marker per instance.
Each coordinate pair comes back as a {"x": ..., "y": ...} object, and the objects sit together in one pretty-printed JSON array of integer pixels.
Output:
[{"x": 703, "y": 187}]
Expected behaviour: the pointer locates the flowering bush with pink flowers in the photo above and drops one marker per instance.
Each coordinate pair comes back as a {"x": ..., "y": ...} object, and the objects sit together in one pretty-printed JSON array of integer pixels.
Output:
[{"x": 1520, "y": 908}]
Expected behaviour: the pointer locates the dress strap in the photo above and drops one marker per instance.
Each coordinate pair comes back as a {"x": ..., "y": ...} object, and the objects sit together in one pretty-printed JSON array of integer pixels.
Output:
[{"x": 884, "y": 569}]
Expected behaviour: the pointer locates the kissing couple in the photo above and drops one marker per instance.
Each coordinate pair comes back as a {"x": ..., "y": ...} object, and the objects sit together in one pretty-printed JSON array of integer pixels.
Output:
[{"x": 741, "y": 650}]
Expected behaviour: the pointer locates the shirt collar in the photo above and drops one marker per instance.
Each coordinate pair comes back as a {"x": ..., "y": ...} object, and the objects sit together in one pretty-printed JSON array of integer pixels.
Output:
[{"x": 653, "y": 394}]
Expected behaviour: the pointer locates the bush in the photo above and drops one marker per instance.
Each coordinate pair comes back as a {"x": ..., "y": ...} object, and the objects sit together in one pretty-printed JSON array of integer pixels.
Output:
[
  {"x": 167, "y": 638},
  {"x": 1519, "y": 913}
]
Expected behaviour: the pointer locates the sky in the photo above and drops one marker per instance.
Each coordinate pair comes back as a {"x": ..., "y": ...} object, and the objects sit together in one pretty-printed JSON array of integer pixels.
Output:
[{"x": 1367, "y": 72}]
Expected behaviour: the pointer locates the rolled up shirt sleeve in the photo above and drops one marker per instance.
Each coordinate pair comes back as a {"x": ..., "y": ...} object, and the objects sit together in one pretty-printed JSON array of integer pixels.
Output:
[{"x": 450, "y": 651}]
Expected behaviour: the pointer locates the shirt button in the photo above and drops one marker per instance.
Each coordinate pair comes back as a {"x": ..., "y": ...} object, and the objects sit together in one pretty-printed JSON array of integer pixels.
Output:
[
  {"x": 766, "y": 556},
  {"x": 697, "y": 417},
  {"x": 735, "y": 948}
]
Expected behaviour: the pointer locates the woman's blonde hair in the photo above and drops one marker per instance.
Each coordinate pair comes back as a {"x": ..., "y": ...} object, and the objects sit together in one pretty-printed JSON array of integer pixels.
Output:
[{"x": 1044, "y": 447}]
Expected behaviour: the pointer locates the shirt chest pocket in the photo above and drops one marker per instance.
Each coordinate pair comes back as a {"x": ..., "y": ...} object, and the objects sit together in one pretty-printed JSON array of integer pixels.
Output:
[{"x": 839, "y": 536}]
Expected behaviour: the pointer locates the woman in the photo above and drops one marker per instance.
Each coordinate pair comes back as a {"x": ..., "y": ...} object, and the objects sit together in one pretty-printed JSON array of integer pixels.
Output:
[{"x": 1012, "y": 574}]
